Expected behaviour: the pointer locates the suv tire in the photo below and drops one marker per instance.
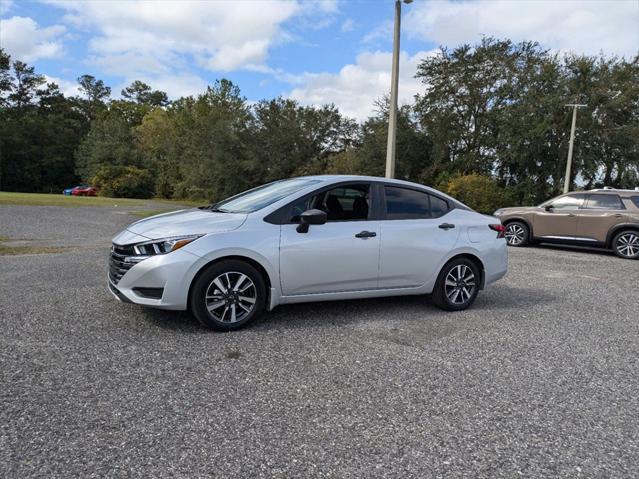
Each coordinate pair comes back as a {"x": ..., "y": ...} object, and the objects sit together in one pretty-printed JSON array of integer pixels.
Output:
[
  {"x": 626, "y": 244},
  {"x": 517, "y": 233}
]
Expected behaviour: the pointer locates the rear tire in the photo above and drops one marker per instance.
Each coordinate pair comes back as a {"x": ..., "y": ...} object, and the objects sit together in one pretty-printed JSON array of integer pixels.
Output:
[
  {"x": 517, "y": 234},
  {"x": 228, "y": 295},
  {"x": 457, "y": 285},
  {"x": 626, "y": 244}
]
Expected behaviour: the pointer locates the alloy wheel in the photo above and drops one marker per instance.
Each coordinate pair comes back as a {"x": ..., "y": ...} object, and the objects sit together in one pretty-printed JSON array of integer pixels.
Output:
[
  {"x": 460, "y": 284},
  {"x": 231, "y": 297},
  {"x": 515, "y": 234},
  {"x": 628, "y": 244}
]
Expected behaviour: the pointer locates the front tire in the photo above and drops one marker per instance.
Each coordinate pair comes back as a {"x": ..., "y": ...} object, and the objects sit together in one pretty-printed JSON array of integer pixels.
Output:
[
  {"x": 517, "y": 233},
  {"x": 228, "y": 295},
  {"x": 626, "y": 244},
  {"x": 457, "y": 285}
]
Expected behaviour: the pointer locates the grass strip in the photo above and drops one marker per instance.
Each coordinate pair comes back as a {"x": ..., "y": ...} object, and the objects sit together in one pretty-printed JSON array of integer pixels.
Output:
[{"x": 41, "y": 199}]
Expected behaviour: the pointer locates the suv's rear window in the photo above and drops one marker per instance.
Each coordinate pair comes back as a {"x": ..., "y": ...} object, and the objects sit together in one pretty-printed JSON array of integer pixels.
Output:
[{"x": 604, "y": 202}]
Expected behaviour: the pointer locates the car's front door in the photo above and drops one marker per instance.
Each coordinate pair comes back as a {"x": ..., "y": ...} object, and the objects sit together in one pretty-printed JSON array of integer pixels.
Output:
[
  {"x": 417, "y": 232},
  {"x": 600, "y": 213},
  {"x": 340, "y": 255},
  {"x": 558, "y": 220}
]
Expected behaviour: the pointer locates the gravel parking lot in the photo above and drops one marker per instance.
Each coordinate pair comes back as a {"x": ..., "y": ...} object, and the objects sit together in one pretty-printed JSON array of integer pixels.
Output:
[{"x": 539, "y": 378}]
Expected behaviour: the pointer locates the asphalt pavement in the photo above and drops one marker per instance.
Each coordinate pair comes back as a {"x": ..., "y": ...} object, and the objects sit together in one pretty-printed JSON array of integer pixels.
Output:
[{"x": 538, "y": 379}]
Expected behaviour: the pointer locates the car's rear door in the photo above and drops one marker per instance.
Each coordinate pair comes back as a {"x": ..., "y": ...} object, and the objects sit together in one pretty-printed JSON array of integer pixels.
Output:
[
  {"x": 599, "y": 214},
  {"x": 560, "y": 220},
  {"x": 341, "y": 255},
  {"x": 417, "y": 231}
]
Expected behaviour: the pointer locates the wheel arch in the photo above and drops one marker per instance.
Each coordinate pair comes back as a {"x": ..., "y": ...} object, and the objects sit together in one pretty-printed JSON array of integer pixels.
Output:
[
  {"x": 476, "y": 260},
  {"x": 615, "y": 230},
  {"x": 238, "y": 257},
  {"x": 521, "y": 220}
]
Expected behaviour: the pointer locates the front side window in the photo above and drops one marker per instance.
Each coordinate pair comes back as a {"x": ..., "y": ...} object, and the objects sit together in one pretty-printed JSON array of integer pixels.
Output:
[
  {"x": 344, "y": 203},
  {"x": 407, "y": 204},
  {"x": 635, "y": 200},
  {"x": 570, "y": 202},
  {"x": 604, "y": 202},
  {"x": 262, "y": 196}
]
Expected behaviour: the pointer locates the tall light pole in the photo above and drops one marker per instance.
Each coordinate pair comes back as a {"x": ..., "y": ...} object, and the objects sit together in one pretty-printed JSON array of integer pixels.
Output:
[
  {"x": 392, "y": 114},
  {"x": 571, "y": 144}
]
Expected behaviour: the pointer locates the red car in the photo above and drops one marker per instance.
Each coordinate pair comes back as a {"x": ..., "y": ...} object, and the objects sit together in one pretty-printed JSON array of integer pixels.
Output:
[{"x": 84, "y": 191}]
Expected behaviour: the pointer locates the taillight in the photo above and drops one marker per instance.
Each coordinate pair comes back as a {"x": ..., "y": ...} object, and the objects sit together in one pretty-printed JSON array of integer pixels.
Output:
[{"x": 501, "y": 229}]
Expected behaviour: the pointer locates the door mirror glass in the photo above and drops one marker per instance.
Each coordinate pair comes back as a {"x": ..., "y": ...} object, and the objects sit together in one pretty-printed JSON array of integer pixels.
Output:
[
  {"x": 548, "y": 208},
  {"x": 311, "y": 217}
]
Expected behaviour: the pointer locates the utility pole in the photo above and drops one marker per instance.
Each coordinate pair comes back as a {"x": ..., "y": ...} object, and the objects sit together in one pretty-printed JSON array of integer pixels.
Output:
[
  {"x": 392, "y": 114},
  {"x": 571, "y": 145}
]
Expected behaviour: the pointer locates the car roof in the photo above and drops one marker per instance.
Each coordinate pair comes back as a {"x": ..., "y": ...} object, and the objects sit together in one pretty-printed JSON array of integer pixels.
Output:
[{"x": 615, "y": 191}]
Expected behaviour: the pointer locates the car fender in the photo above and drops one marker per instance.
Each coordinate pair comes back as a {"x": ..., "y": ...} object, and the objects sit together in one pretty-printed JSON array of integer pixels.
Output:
[
  {"x": 268, "y": 260},
  {"x": 524, "y": 220},
  {"x": 617, "y": 228},
  {"x": 461, "y": 250}
]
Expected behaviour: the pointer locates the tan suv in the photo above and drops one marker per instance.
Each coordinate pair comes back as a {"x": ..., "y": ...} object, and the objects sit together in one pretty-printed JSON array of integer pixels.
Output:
[{"x": 605, "y": 218}]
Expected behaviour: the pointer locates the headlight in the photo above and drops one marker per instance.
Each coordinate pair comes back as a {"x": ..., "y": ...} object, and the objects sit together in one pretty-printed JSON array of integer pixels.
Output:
[{"x": 163, "y": 246}]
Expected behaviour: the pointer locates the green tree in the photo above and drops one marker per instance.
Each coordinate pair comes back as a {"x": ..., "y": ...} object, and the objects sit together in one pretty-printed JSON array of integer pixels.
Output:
[
  {"x": 140, "y": 92},
  {"x": 95, "y": 93},
  {"x": 290, "y": 139},
  {"x": 109, "y": 142}
]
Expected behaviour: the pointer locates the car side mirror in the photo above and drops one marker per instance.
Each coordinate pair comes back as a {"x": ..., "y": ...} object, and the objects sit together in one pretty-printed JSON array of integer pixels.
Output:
[
  {"x": 311, "y": 217},
  {"x": 548, "y": 208}
]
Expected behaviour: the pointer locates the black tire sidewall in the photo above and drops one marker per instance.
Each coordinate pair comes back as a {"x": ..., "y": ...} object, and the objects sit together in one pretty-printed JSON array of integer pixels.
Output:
[
  {"x": 439, "y": 293},
  {"x": 198, "y": 292},
  {"x": 616, "y": 239}
]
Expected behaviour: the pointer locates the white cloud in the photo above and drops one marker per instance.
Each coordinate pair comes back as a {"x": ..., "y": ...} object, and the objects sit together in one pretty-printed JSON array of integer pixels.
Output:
[
  {"x": 348, "y": 25},
  {"x": 175, "y": 85},
  {"x": 67, "y": 87},
  {"x": 355, "y": 87},
  {"x": 5, "y": 6},
  {"x": 221, "y": 36},
  {"x": 24, "y": 40},
  {"x": 580, "y": 26}
]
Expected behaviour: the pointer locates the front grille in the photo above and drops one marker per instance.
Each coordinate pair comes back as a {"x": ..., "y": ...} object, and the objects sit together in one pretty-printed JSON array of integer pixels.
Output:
[{"x": 120, "y": 262}]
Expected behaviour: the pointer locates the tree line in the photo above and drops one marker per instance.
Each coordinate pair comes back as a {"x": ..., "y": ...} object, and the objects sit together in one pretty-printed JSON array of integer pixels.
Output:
[{"x": 490, "y": 125}]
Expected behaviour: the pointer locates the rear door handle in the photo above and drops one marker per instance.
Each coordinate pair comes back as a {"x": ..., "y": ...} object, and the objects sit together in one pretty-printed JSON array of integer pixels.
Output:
[
  {"x": 366, "y": 234},
  {"x": 446, "y": 226}
]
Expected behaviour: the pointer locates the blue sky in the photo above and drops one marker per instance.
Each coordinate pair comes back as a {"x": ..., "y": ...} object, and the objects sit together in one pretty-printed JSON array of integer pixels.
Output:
[{"x": 323, "y": 51}]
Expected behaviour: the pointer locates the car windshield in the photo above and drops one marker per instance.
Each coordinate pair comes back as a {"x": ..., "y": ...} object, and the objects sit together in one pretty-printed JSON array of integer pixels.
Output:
[{"x": 262, "y": 196}]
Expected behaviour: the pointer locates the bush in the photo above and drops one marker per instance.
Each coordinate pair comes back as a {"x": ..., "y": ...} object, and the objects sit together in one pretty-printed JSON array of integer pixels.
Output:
[
  {"x": 124, "y": 182},
  {"x": 479, "y": 192}
]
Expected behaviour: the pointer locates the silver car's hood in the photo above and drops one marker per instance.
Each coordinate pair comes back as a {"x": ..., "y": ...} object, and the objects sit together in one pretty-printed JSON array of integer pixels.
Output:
[{"x": 186, "y": 222}]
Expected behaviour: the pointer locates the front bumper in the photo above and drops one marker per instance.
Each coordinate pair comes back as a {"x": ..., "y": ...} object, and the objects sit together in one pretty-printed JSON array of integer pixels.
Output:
[{"x": 172, "y": 273}]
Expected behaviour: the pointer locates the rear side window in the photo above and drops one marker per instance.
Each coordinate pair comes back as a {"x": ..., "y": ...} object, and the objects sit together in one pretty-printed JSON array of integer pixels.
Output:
[
  {"x": 604, "y": 202},
  {"x": 405, "y": 204},
  {"x": 438, "y": 207},
  {"x": 635, "y": 200}
]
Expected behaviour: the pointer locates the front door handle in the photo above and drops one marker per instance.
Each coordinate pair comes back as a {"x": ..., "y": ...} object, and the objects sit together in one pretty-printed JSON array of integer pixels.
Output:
[
  {"x": 446, "y": 226},
  {"x": 366, "y": 234}
]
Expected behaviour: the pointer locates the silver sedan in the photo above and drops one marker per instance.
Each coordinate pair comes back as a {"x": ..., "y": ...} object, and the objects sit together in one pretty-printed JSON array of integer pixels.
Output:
[{"x": 315, "y": 238}]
